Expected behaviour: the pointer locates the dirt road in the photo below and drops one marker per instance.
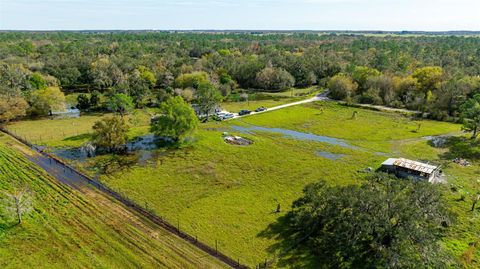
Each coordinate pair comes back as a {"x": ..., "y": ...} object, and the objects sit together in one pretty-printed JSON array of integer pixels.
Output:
[{"x": 319, "y": 97}]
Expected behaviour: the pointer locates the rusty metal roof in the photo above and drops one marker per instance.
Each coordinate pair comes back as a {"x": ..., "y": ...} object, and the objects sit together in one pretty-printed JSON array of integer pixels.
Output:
[{"x": 414, "y": 165}]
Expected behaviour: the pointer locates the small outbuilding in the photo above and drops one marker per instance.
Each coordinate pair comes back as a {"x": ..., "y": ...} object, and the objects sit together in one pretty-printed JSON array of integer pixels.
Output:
[{"x": 405, "y": 168}]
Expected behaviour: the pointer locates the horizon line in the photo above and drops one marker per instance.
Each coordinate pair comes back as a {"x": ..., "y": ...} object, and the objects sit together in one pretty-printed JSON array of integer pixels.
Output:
[{"x": 237, "y": 30}]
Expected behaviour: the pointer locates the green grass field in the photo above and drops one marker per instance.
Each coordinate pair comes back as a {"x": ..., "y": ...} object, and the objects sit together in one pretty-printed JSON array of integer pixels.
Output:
[
  {"x": 73, "y": 132},
  {"x": 229, "y": 193},
  {"x": 66, "y": 229}
]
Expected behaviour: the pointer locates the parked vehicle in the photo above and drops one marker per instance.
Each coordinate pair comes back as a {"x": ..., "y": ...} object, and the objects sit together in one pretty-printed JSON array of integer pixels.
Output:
[
  {"x": 244, "y": 112},
  {"x": 220, "y": 114},
  {"x": 260, "y": 109},
  {"x": 227, "y": 116}
]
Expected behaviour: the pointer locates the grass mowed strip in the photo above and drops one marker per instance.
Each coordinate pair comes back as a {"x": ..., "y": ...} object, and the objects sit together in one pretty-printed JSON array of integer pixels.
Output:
[{"x": 65, "y": 229}]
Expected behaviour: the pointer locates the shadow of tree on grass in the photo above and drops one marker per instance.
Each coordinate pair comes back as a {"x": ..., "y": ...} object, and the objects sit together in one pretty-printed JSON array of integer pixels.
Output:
[
  {"x": 78, "y": 137},
  {"x": 290, "y": 249},
  {"x": 112, "y": 163},
  {"x": 461, "y": 147}
]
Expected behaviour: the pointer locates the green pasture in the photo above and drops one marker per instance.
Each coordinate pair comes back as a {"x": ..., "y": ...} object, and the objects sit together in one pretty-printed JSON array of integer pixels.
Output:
[
  {"x": 227, "y": 194},
  {"x": 69, "y": 229}
]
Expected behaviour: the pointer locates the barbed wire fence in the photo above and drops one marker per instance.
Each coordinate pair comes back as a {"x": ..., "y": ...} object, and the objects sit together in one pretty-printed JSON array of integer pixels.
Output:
[{"x": 144, "y": 211}]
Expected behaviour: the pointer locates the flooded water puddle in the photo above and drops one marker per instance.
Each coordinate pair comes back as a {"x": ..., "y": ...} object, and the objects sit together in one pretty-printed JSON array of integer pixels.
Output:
[
  {"x": 296, "y": 135},
  {"x": 75, "y": 154},
  {"x": 146, "y": 142},
  {"x": 329, "y": 155},
  {"x": 144, "y": 147}
]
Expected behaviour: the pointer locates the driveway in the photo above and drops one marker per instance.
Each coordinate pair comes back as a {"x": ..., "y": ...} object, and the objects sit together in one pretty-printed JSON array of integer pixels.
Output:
[
  {"x": 319, "y": 97},
  {"x": 324, "y": 97}
]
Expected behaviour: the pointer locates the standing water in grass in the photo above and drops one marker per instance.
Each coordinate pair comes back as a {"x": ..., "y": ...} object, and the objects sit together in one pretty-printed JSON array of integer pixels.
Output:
[{"x": 296, "y": 135}]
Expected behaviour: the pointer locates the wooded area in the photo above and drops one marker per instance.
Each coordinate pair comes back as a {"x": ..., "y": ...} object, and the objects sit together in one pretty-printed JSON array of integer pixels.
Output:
[{"x": 434, "y": 74}]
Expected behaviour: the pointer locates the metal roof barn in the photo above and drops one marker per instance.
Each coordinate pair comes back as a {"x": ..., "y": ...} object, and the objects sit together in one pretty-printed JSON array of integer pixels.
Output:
[
  {"x": 407, "y": 168},
  {"x": 414, "y": 165}
]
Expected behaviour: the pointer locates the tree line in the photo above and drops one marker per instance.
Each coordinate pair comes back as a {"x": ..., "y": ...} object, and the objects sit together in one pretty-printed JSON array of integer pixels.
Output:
[{"x": 433, "y": 74}]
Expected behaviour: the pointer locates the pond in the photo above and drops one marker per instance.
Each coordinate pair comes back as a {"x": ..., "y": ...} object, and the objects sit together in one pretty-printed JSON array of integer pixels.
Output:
[
  {"x": 329, "y": 155},
  {"x": 295, "y": 135},
  {"x": 67, "y": 113}
]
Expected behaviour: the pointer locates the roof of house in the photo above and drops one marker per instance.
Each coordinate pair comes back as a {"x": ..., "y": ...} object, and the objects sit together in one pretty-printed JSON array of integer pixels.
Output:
[{"x": 412, "y": 165}]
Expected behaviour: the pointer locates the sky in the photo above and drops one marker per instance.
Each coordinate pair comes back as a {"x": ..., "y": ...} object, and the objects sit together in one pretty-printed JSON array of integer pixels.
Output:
[{"x": 392, "y": 15}]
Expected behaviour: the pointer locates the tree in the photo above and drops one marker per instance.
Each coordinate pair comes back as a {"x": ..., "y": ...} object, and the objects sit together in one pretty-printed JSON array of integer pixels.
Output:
[
  {"x": 176, "y": 120},
  {"x": 83, "y": 102},
  {"x": 120, "y": 103},
  {"x": 187, "y": 94},
  {"x": 17, "y": 203},
  {"x": 12, "y": 107},
  {"x": 429, "y": 78},
  {"x": 384, "y": 223},
  {"x": 274, "y": 79},
  {"x": 406, "y": 91},
  {"x": 191, "y": 80},
  {"x": 245, "y": 70},
  {"x": 361, "y": 75},
  {"x": 147, "y": 76},
  {"x": 227, "y": 84},
  {"x": 94, "y": 99},
  {"x": 44, "y": 101},
  {"x": 37, "y": 81},
  {"x": 470, "y": 114},
  {"x": 140, "y": 83},
  {"x": 342, "y": 87},
  {"x": 14, "y": 78},
  {"x": 208, "y": 97},
  {"x": 110, "y": 133},
  {"x": 386, "y": 88},
  {"x": 105, "y": 74}
]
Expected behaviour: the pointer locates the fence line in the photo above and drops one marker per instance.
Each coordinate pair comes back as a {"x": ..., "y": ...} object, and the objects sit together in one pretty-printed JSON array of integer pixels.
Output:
[{"x": 213, "y": 251}]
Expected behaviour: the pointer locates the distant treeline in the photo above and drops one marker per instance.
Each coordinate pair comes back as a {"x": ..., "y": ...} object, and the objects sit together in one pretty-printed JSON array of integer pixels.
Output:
[{"x": 430, "y": 73}]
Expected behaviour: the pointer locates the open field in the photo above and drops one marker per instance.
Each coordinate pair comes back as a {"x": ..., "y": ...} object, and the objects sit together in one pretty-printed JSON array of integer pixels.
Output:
[
  {"x": 72, "y": 132},
  {"x": 370, "y": 129},
  {"x": 229, "y": 193},
  {"x": 65, "y": 229}
]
